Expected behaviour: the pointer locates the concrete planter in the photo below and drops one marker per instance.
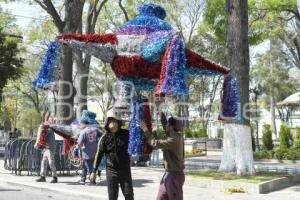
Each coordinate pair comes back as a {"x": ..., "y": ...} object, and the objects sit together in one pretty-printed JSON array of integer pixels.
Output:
[
  {"x": 214, "y": 143},
  {"x": 278, "y": 161},
  {"x": 211, "y": 143},
  {"x": 258, "y": 188}
]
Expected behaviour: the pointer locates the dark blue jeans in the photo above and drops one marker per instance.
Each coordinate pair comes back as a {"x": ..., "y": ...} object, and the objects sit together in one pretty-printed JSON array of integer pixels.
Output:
[{"x": 87, "y": 168}]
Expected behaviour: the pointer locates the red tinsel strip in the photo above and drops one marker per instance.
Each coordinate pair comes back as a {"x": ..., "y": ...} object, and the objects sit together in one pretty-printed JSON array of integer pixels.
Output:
[
  {"x": 97, "y": 38},
  {"x": 135, "y": 66},
  {"x": 147, "y": 149},
  {"x": 41, "y": 140},
  {"x": 157, "y": 91},
  {"x": 195, "y": 60},
  {"x": 68, "y": 143}
]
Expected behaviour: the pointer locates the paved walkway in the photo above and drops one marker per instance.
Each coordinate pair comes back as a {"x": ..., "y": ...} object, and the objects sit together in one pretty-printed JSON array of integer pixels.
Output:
[{"x": 146, "y": 182}]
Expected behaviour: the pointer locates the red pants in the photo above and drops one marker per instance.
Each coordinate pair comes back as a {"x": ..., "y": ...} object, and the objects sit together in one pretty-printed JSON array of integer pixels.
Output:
[{"x": 171, "y": 187}]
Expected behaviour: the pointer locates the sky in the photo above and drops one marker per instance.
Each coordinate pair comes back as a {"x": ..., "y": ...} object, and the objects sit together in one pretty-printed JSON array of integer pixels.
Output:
[{"x": 23, "y": 12}]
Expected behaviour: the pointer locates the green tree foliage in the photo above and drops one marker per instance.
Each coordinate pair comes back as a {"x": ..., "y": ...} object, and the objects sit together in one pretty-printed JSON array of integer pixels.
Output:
[
  {"x": 297, "y": 138},
  {"x": 214, "y": 21},
  {"x": 30, "y": 120},
  {"x": 267, "y": 18},
  {"x": 267, "y": 137},
  {"x": 264, "y": 17},
  {"x": 271, "y": 73},
  {"x": 284, "y": 136},
  {"x": 10, "y": 62},
  {"x": 188, "y": 132}
]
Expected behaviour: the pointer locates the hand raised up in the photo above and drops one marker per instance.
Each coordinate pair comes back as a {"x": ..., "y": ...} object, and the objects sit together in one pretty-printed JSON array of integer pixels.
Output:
[{"x": 143, "y": 126}]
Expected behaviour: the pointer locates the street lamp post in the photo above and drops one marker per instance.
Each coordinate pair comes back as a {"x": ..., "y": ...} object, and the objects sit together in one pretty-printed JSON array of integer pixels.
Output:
[{"x": 255, "y": 91}]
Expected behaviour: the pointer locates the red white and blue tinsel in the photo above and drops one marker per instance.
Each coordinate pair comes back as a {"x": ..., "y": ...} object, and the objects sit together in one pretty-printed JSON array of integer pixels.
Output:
[
  {"x": 146, "y": 51},
  {"x": 139, "y": 111},
  {"x": 48, "y": 75}
]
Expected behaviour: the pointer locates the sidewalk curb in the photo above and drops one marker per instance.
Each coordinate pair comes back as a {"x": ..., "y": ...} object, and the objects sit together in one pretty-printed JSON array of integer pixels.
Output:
[{"x": 55, "y": 190}]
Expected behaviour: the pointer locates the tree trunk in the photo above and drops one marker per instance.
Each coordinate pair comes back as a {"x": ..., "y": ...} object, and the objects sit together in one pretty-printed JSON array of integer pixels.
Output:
[
  {"x": 237, "y": 149},
  {"x": 73, "y": 14},
  {"x": 82, "y": 63},
  {"x": 81, "y": 82},
  {"x": 273, "y": 117},
  {"x": 237, "y": 153},
  {"x": 65, "y": 93}
]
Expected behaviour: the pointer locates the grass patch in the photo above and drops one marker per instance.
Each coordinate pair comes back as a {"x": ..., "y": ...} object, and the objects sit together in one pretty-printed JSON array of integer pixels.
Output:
[{"x": 217, "y": 175}]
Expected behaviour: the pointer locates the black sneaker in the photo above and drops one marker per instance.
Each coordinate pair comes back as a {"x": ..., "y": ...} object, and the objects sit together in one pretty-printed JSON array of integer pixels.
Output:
[
  {"x": 41, "y": 179},
  {"x": 54, "y": 180}
]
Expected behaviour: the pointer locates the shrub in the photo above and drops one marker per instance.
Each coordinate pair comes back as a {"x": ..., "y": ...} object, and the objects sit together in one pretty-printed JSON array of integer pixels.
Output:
[
  {"x": 297, "y": 137},
  {"x": 263, "y": 154},
  {"x": 267, "y": 137},
  {"x": 284, "y": 136},
  {"x": 188, "y": 133},
  {"x": 280, "y": 153},
  {"x": 220, "y": 133},
  {"x": 295, "y": 153},
  {"x": 201, "y": 133}
]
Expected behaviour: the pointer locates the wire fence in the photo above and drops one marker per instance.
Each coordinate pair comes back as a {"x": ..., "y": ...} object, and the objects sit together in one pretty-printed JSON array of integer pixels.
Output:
[{"x": 21, "y": 156}]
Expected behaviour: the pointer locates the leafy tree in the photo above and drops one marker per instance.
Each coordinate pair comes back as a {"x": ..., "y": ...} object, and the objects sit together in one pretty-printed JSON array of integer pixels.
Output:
[
  {"x": 267, "y": 18},
  {"x": 297, "y": 138},
  {"x": 30, "y": 120},
  {"x": 214, "y": 21},
  {"x": 284, "y": 136},
  {"x": 237, "y": 59},
  {"x": 10, "y": 62},
  {"x": 271, "y": 73},
  {"x": 267, "y": 137}
]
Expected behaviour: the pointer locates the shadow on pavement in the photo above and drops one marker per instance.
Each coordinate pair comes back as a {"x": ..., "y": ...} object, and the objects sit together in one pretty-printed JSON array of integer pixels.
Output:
[
  {"x": 136, "y": 183},
  {"x": 10, "y": 190}
]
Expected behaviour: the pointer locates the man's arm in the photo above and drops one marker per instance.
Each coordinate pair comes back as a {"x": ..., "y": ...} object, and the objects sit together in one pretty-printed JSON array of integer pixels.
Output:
[
  {"x": 167, "y": 143},
  {"x": 99, "y": 154}
]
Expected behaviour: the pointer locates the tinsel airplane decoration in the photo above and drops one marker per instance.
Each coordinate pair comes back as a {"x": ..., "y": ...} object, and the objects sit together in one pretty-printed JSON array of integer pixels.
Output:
[{"x": 147, "y": 52}]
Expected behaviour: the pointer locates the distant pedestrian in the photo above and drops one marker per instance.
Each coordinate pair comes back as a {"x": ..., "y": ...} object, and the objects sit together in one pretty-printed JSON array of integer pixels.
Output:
[
  {"x": 87, "y": 141},
  {"x": 49, "y": 149}
]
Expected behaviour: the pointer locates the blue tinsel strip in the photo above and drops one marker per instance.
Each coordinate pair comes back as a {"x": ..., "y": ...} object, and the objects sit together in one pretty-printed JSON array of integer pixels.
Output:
[
  {"x": 151, "y": 51},
  {"x": 149, "y": 19},
  {"x": 49, "y": 70},
  {"x": 151, "y": 9},
  {"x": 180, "y": 87},
  {"x": 140, "y": 84},
  {"x": 174, "y": 80},
  {"x": 135, "y": 132},
  {"x": 231, "y": 98}
]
